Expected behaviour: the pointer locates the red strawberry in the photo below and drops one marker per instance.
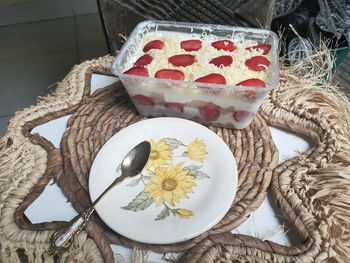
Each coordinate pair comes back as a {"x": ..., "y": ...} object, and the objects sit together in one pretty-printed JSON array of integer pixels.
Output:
[
  {"x": 155, "y": 44},
  {"x": 191, "y": 45},
  {"x": 225, "y": 45},
  {"x": 252, "y": 83},
  {"x": 143, "y": 60},
  {"x": 178, "y": 107},
  {"x": 170, "y": 74},
  {"x": 138, "y": 71},
  {"x": 182, "y": 60},
  {"x": 144, "y": 100},
  {"x": 241, "y": 116},
  {"x": 212, "y": 78},
  {"x": 265, "y": 47},
  {"x": 257, "y": 63},
  {"x": 225, "y": 61},
  {"x": 210, "y": 112}
]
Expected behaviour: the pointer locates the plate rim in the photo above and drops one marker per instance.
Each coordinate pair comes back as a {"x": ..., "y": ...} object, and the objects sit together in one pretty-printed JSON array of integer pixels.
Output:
[{"x": 194, "y": 234}]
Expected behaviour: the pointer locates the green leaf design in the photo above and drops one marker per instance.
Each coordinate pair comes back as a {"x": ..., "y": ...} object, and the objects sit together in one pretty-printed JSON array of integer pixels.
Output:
[
  {"x": 119, "y": 168},
  {"x": 173, "y": 211},
  {"x": 146, "y": 177},
  {"x": 139, "y": 203},
  {"x": 184, "y": 154},
  {"x": 173, "y": 143},
  {"x": 165, "y": 212},
  {"x": 134, "y": 182},
  {"x": 199, "y": 175},
  {"x": 192, "y": 168},
  {"x": 194, "y": 171}
]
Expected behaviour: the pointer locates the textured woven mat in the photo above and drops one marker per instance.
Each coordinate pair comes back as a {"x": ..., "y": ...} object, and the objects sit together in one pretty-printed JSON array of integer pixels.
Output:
[
  {"x": 312, "y": 189},
  {"x": 109, "y": 110}
]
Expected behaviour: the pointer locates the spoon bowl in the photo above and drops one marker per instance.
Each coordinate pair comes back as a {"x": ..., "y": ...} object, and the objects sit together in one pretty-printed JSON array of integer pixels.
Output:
[{"x": 136, "y": 159}]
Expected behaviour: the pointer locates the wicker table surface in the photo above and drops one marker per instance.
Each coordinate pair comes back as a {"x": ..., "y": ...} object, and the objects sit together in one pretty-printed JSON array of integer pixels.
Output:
[
  {"x": 265, "y": 223},
  {"x": 311, "y": 189}
]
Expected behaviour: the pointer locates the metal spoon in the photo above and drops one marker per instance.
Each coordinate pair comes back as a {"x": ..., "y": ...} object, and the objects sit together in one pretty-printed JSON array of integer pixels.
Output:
[{"x": 131, "y": 166}]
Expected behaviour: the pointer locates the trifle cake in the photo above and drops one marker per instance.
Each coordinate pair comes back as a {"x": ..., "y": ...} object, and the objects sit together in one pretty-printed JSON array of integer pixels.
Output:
[{"x": 197, "y": 74}]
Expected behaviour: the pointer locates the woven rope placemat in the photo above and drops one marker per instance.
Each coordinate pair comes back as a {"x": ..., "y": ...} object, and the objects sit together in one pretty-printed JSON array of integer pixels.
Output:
[
  {"x": 312, "y": 189},
  {"x": 105, "y": 112},
  {"x": 109, "y": 110}
]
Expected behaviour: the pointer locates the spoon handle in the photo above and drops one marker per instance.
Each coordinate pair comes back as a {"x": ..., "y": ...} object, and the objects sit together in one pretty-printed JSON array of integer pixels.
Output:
[{"x": 63, "y": 237}]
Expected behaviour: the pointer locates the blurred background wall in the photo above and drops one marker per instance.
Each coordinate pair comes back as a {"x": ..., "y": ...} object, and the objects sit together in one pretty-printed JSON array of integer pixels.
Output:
[
  {"x": 40, "y": 42},
  {"x": 22, "y": 11}
]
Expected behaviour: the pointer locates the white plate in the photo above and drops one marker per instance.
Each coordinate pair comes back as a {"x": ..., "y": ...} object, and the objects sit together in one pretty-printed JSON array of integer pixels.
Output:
[{"x": 209, "y": 182}]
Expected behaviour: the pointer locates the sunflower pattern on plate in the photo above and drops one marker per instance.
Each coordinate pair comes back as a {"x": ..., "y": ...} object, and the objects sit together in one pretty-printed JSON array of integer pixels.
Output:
[
  {"x": 161, "y": 153},
  {"x": 169, "y": 177}
]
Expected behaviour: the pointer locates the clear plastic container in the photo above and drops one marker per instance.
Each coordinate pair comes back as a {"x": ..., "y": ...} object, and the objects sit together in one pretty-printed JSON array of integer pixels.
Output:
[{"x": 237, "y": 104}]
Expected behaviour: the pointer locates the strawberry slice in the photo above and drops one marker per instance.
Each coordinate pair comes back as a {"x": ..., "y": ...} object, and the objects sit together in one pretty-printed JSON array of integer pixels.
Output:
[
  {"x": 212, "y": 78},
  {"x": 210, "y": 112},
  {"x": 252, "y": 83},
  {"x": 257, "y": 63},
  {"x": 191, "y": 45},
  {"x": 178, "y": 107},
  {"x": 225, "y": 45},
  {"x": 138, "y": 71},
  {"x": 155, "y": 44},
  {"x": 143, "y": 60},
  {"x": 265, "y": 47},
  {"x": 170, "y": 74},
  {"x": 144, "y": 100},
  {"x": 182, "y": 60},
  {"x": 223, "y": 61},
  {"x": 241, "y": 116}
]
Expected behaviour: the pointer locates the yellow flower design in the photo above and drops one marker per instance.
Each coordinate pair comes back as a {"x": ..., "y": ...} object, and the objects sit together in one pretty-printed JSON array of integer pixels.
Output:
[
  {"x": 197, "y": 150},
  {"x": 169, "y": 184},
  {"x": 160, "y": 154},
  {"x": 184, "y": 213}
]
